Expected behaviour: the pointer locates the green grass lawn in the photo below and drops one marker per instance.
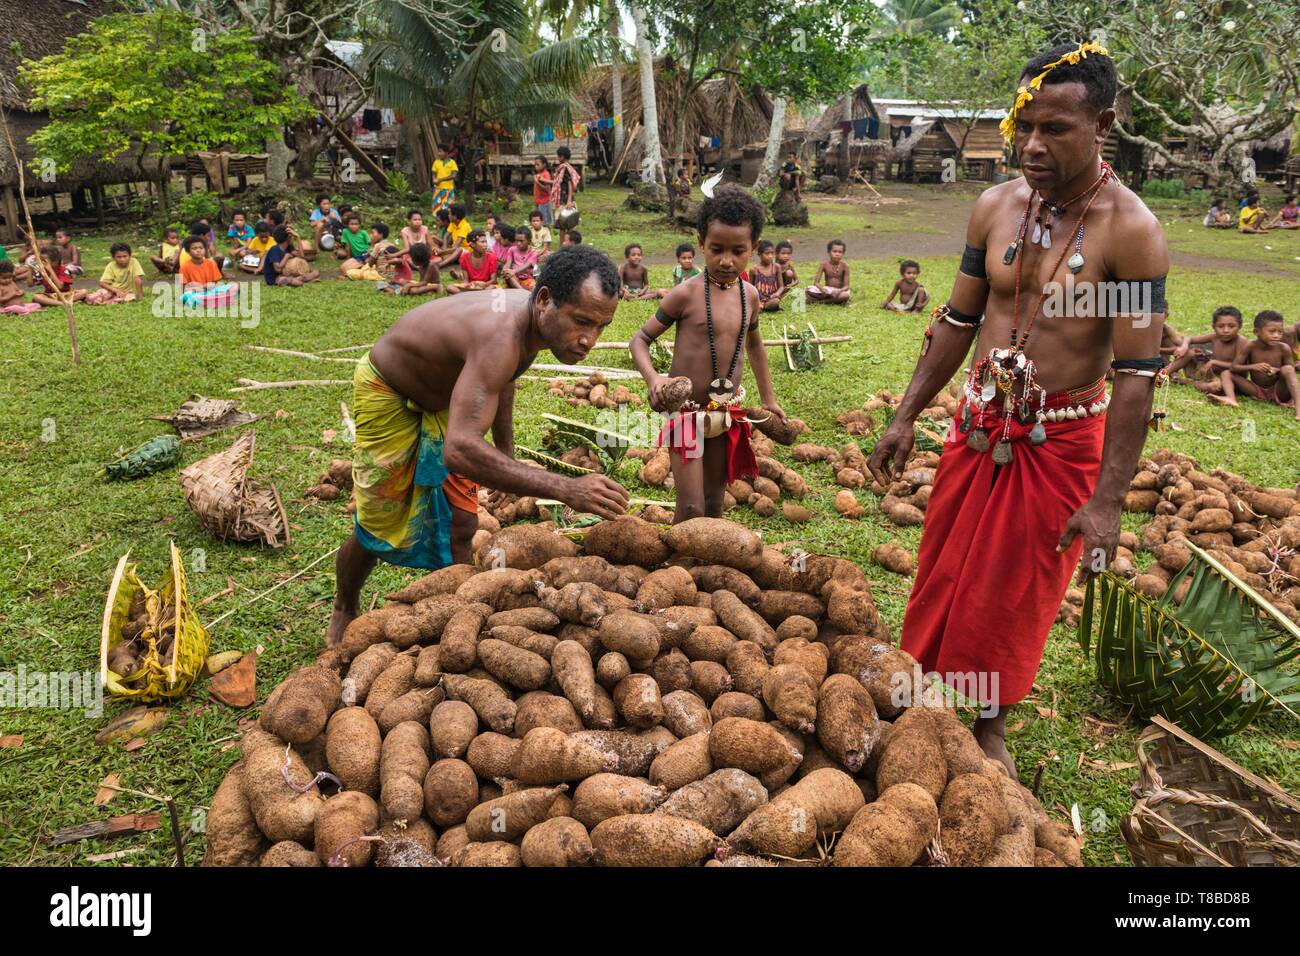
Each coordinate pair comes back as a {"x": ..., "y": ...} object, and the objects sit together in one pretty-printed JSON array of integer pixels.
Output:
[{"x": 62, "y": 530}]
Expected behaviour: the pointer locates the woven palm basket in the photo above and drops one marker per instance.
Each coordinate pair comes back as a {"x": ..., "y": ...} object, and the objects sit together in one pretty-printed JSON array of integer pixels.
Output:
[
  {"x": 232, "y": 505},
  {"x": 1196, "y": 807}
]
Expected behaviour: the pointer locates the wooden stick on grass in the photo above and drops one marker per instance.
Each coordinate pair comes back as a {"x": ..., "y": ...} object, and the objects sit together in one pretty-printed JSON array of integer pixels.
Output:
[{"x": 31, "y": 241}]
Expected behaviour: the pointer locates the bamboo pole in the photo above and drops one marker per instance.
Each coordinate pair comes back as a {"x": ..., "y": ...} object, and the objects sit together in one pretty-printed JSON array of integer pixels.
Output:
[
  {"x": 307, "y": 355},
  {"x": 820, "y": 340},
  {"x": 251, "y": 384},
  {"x": 31, "y": 238}
]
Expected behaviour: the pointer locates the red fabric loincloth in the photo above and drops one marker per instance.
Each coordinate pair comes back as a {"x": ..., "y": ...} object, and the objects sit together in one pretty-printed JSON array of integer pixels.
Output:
[
  {"x": 989, "y": 580},
  {"x": 681, "y": 433}
]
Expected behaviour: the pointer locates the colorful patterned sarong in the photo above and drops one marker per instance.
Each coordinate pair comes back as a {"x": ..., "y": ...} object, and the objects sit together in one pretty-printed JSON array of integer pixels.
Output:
[
  {"x": 404, "y": 492},
  {"x": 443, "y": 198}
]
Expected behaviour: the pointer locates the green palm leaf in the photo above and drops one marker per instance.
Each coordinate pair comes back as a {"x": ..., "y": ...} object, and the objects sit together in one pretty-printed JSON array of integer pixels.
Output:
[
  {"x": 1212, "y": 663},
  {"x": 552, "y": 464},
  {"x": 613, "y": 444}
]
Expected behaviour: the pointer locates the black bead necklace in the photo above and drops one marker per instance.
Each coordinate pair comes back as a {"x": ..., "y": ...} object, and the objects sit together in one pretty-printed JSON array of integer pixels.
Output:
[{"x": 719, "y": 385}]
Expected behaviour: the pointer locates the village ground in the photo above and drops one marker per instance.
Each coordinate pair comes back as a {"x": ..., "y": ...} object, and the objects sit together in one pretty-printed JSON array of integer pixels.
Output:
[{"x": 62, "y": 529}]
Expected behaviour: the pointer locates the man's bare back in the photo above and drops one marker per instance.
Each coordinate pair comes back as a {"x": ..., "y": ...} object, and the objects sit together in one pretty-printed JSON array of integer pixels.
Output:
[{"x": 423, "y": 353}]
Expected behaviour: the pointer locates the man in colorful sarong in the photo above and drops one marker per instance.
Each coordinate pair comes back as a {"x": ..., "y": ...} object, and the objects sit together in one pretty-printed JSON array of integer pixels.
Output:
[
  {"x": 1034, "y": 469},
  {"x": 430, "y": 389}
]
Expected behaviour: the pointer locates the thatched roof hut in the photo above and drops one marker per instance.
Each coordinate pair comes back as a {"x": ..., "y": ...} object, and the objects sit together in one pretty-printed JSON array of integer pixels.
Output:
[
  {"x": 33, "y": 31},
  {"x": 751, "y": 112}
]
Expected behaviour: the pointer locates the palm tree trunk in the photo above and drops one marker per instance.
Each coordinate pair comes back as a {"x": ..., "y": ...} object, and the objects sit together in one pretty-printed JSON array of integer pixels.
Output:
[
  {"x": 728, "y": 117},
  {"x": 652, "y": 168},
  {"x": 616, "y": 82},
  {"x": 773, "y": 151}
]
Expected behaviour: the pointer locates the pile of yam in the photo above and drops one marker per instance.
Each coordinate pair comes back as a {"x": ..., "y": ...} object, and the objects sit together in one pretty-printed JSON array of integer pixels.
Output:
[
  {"x": 859, "y": 421},
  {"x": 594, "y": 391},
  {"x": 676, "y": 697},
  {"x": 1253, "y": 531}
]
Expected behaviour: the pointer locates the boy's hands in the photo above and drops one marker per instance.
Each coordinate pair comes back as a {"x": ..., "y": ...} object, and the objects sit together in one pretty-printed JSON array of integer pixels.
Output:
[
  {"x": 1263, "y": 367},
  {"x": 775, "y": 410},
  {"x": 598, "y": 495},
  {"x": 655, "y": 391}
]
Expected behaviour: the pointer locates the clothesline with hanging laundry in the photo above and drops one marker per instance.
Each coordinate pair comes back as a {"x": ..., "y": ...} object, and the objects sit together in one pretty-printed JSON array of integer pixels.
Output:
[
  {"x": 864, "y": 128},
  {"x": 576, "y": 130}
]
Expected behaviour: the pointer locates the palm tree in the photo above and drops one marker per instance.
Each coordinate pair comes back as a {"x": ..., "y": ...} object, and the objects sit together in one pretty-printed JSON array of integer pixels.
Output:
[
  {"x": 496, "y": 70},
  {"x": 652, "y": 167},
  {"x": 905, "y": 19}
]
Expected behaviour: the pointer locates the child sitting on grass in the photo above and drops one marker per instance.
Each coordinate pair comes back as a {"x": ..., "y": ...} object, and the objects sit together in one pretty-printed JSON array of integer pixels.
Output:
[
  {"x": 380, "y": 255},
  {"x": 493, "y": 230},
  {"x": 240, "y": 234},
  {"x": 1288, "y": 217},
  {"x": 766, "y": 278},
  {"x": 1217, "y": 216},
  {"x": 835, "y": 273},
  {"x": 70, "y": 253},
  {"x": 541, "y": 233},
  {"x": 282, "y": 265},
  {"x": 1253, "y": 217},
  {"x": 1264, "y": 368},
  {"x": 519, "y": 264},
  {"x": 415, "y": 231},
  {"x": 52, "y": 260},
  {"x": 685, "y": 268},
  {"x": 634, "y": 278},
  {"x": 11, "y": 296},
  {"x": 785, "y": 259},
  {"x": 1208, "y": 361},
  {"x": 716, "y": 318},
  {"x": 199, "y": 272},
  {"x": 478, "y": 265},
  {"x": 122, "y": 280},
  {"x": 324, "y": 219},
  {"x": 168, "y": 260},
  {"x": 251, "y": 261},
  {"x": 570, "y": 237},
  {"x": 912, "y": 296},
  {"x": 415, "y": 272},
  {"x": 353, "y": 247}
]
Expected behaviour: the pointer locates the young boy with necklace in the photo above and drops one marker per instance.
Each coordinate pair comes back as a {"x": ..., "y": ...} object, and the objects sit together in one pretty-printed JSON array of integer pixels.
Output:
[{"x": 716, "y": 315}]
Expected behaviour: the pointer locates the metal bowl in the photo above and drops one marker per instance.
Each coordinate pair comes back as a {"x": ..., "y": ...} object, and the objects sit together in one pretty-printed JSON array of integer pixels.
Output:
[{"x": 567, "y": 218}]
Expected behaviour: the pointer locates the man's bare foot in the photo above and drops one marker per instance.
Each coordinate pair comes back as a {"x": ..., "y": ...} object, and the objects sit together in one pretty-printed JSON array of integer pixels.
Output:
[
  {"x": 1222, "y": 400},
  {"x": 994, "y": 745},
  {"x": 338, "y": 624}
]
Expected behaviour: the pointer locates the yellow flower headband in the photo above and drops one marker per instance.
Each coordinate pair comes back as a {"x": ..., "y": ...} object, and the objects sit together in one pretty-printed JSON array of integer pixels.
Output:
[{"x": 1023, "y": 95}]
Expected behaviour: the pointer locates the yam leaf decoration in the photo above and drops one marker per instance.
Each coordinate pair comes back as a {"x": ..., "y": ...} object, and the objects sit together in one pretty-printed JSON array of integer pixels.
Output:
[
  {"x": 550, "y": 463},
  {"x": 613, "y": 445},
  {"x": 1211, "y": 664},
  {"x": 806, "y": 354},
  {"x": 155, "y": 455},
  {"x": 929, "y": 435}
]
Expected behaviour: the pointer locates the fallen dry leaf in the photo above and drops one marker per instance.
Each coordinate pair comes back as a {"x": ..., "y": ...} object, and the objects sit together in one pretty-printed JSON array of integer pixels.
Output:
[
  {"x": 134, "y": 744},
  {"x": 11, "y": 741},
  {"x": 1290, "y": 744},
  {"x": 327, "y": 436},
  {"x": 1111, "y": 766},
  {"x": 281, "y": 413},
  {"x": 106, "y": 789},
  {"x": 1018, "y": 726},
  {"x": 136, "y": 722},
  {"x": 236, "y": 686},
  {"x": 1046, "y": 712}
]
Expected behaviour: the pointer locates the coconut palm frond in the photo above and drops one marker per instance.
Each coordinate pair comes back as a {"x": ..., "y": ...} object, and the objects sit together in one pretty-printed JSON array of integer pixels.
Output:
[
  {"x": 611, "y": 443},
  {"x": 1211, "y": 663}
]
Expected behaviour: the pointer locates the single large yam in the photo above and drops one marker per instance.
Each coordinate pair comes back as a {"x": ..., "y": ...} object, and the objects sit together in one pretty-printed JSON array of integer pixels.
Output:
[
  {"x": 626, "y": 540},
  {"x": 847, "y": 725},
  {"x": 651, "y": 840},
  {"x": 720, "y": 801},
  {"x": 548, "y": 756},
  {"x": 606, "y": 795},
  {"x": 749, "y": 745},
  {"x": 559, "y": 841},
  {"x": 716, "y": 541},
  {"x": 352, "y": 747},
  {"x": 892, "y": 831},
  {"x": 789, "y": 824}
]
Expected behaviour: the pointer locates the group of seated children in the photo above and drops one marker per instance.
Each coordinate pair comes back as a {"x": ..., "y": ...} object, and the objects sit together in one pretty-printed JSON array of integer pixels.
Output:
[
  {"x": 1225, "y": 364},
  {"x": 55, "y": 265},
  {"x": 774, "y": 277},
  {"x": 1252, "y": 217}
]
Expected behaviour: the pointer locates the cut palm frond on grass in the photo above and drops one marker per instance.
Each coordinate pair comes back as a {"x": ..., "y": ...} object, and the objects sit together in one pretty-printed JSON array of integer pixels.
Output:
[
  {"x": 550, "y": 463},
  {"x": 1212, "y": 663},
  {"x": 613, "y": 445}
]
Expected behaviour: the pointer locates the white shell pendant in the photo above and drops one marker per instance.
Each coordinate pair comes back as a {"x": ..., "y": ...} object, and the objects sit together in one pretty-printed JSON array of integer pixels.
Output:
[
  {"x": 1075, "y": 263},
  {"x": 1038, "y": 231},
  {"x": 989, "y": 390},
  {"x": 1047, "y": 238}
]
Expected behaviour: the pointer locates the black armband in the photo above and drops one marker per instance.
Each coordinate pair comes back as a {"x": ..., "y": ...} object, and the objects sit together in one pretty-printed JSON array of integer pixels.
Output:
[
  {"x": 1147, "y": 368},
  {"x": 663, "y": 318},
  {"x": 972, "y": 263},
  {"x": 963, "y": 321}
]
